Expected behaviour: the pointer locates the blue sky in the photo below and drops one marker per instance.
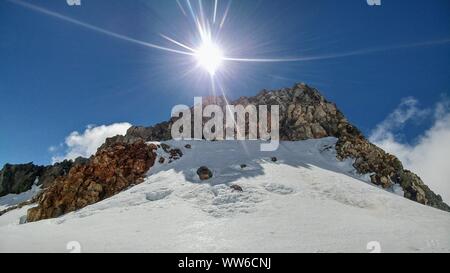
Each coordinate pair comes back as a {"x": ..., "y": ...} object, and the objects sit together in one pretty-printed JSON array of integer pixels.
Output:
[{"x": 57, "y": 77}]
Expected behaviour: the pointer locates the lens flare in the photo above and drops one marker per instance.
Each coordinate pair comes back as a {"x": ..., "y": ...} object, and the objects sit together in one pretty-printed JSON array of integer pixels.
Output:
[
  {"x": 207, "y": 34},
  {"x": 209, "y": 56}
]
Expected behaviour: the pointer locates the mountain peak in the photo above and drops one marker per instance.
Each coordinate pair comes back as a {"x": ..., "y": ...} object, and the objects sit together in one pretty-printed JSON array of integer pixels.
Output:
[{"x": 306, "y": 114}]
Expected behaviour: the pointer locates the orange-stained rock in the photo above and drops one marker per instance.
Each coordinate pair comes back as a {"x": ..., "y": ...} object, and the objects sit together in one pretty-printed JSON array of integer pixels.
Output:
[{"x": 111, "y": 170}]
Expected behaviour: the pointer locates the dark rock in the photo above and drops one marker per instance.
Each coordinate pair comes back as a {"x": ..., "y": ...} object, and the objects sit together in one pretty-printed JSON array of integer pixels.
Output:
[
  {"x": 243, "y": 166},
  {"x": 165, "y": 147},
  {"x": 383, "y": 181},
  {"x": 50, "y": 173},
  {"x": 159, "y": 132},
  {"x": 175, "y": 153},
  {"x": 416, "y": 190},
  {"x": 204, "y": 173},
  {"x": 274, "y": 159},
  {"x": 18, "y": 178},
  {"x": 236, "y": 188}
]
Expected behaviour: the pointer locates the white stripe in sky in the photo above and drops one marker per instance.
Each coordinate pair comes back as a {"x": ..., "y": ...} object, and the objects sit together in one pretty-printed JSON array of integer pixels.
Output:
[
  {"x": 181, "y": 8},
  {"x": 234, "y": 59},
  {"x": 177, "y": 43},
  {"x": 224, "y": 18},
  {"x": 191, "y": 10},
  {"x": 341, "y": 55},
  {"x": 97, "y": 29},
  {"x": 215, "y": 11}
]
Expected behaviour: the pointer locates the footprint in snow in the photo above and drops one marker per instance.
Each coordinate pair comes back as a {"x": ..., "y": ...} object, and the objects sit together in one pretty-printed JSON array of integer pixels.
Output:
[
  {"x": 278, "y": 188},
  {"x": 157, "y": 195}
]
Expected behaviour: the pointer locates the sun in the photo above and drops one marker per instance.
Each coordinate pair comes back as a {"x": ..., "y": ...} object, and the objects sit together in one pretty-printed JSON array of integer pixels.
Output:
[{"x": 209, "y": 56}]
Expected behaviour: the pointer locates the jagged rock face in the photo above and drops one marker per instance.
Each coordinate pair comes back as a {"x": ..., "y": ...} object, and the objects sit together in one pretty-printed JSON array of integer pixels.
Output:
[
  {"x": 416, "y": 190},
  {"x": 306, "y": 114},
  {"x": 385, "y": 169},
  {"x": 50, "y": 173},
  {"x": 110, "y": 171},
  {"x": 20, "y": 178},
  {"x": 159, "y": 132},
  {"x": 369, "y": 159}
]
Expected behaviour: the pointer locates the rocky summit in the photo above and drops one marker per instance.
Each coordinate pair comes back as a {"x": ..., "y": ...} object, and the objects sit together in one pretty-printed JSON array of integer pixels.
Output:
[{"x": 306, "y": 114}]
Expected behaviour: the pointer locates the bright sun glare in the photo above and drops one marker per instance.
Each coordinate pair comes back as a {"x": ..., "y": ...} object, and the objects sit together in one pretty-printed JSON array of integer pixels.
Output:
[{"x": 210, "y": 57}]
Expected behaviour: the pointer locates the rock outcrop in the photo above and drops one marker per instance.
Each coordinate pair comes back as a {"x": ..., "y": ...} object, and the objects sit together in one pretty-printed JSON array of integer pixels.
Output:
[
  {"x": 204, "y": 173},
  {"x": 236, "y": 188},
  {"x": 20, "y": 178},
  {"x": 110, "y": 171},
  {"x": 306, "y": 114}
]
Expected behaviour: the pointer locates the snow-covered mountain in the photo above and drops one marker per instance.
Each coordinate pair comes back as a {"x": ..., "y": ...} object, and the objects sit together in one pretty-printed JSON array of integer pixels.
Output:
[
  {"x": 300, "y": 198},
  {"x": 326, "y": 189}
]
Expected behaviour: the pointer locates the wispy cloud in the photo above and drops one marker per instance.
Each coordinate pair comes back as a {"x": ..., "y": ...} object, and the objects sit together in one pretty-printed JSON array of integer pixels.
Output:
[
  {"x": 87, "y": 143},
  {"x": 407, "y": 111},
  {"x": 428, "y": 155}
]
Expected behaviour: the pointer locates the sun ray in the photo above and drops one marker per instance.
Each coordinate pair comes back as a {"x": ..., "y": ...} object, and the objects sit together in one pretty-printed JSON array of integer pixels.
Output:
[
  {"x": 227, "y": 102},
  {"x": 191, "y": 10},
  {"x": 340, "y": 55},
  {"x": 96, "y": 29},
  {"x": 206, "y": 49},
  {"x": 202, "y": 15},
  {"x": 215, "y": 11},
  {"x": 181, "y": 8},
  {"x": 177, "y": 43},
  {"x": 224, "y": 18}
]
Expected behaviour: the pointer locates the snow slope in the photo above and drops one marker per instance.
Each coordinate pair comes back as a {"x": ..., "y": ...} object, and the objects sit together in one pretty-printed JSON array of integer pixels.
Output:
[
  {"x": 14, "y": 199},
  {"x": 307, "y": 201}
]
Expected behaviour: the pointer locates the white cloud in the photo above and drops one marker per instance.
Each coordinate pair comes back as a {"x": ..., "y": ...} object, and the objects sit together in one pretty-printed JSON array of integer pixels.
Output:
[
  {"x": 86, "y": 144},
  {"x": 408, "y": 110},
  {"x": 429, "y": 155}
]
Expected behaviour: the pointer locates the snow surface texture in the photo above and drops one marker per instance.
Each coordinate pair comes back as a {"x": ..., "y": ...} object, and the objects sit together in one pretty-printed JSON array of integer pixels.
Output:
[
  {"x": 306, "y": 201},
  {"x": 15, "y": 199}
]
